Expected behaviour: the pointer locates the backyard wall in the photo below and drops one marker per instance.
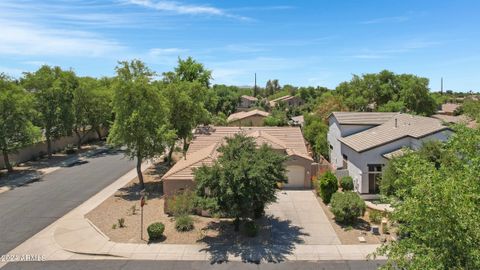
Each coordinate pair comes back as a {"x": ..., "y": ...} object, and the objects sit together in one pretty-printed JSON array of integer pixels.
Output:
[{"x": 40, "y": 148}]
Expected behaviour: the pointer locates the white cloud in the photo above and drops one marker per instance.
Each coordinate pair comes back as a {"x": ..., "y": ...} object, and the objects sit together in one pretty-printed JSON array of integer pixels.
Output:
[
  {"x": 395, "y": 19},
  {"x": 179, "y": 8},
  {"x": 166, "y": 51},
  {"x": 30, "y": 39}
]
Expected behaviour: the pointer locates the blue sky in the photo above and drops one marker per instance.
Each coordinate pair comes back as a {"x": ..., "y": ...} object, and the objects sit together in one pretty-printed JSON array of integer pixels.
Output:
[{"x": 298, "y": 42}]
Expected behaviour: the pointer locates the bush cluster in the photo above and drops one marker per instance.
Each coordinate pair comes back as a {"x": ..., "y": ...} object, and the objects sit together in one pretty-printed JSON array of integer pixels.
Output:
[
  {"x": 182, "y": 204},
  {"x": 155, "y": 230},
  {"x": 327, "y": 185},
  {"x": 183, "y": 223},
  {"x": 347, "y": 183},
  {"x": 347, "y": 207}
]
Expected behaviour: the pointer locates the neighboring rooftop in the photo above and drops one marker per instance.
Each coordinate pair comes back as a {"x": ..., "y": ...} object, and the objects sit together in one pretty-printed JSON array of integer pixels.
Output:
[
  {"x": 397, "y": 127},
  {"x": 283, "y": 98},
  {"x": 243, "y": 115},
  {"x": 449, "y": 108},
  {"x": 363, "y": 118},
  {"x": 203, "y": 148},
  {"x": 250, "y": 98},
  {"x": 395, "y": 153},
  {"x": 458, "y": 119}
]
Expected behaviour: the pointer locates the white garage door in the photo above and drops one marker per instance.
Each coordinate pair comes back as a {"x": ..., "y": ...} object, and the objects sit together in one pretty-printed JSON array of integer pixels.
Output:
[{"x": 296, "y": 177}]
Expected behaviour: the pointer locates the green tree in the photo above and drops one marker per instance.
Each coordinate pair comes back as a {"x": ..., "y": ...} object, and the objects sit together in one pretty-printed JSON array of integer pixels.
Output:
[
  {"x": 272, "y": 87},
  {"x": 100, "y": 116},
  {"x": 16, "y": 128},
  {"x": 386, "y": 91},
  {"x": 315, "y": 133},
  {"x": 472, "y": 108},
  {"x": 186, "y": 107},
  {"x": 82, "y": 106},
  {"x": 53, "y": 89},
  {"x": 141, "y": 114},
  {"x": 327, "y": 186},
  {"x": 438, "y": 220},
  {"x": 347, "y": 207},
  {"x": 243, "y": 180},
  {"x": 189, "y": 70}
]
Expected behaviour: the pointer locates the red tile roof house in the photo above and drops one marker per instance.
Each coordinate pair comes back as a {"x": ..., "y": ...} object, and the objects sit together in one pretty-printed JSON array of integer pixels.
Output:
[
  {"x": 246, "y": 102},
  {"x": 289, "y": 100},
  {"x": 250, "y": 118},
  {"x": 361, "y": 143},
  {"x": 203, "y": 151}
]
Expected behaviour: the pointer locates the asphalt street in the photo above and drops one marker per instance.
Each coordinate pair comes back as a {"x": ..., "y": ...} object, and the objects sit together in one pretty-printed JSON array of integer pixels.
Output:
[
  {"x": 185, "y": 265},
  {"x": 26, "y": 210}
]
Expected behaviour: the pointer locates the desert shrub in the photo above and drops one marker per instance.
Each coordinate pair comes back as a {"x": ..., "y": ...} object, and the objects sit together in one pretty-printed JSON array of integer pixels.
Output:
[
  {"x": 347, "y": 183},
  {"x": 182, "y": 204},
  {"x": 251, "y": 228},
  {"x": 375, "y": 216},
  {"x": 347, "y": 207},
  {"x": 327, "y": 185},
  {"x": 155, "y": 230},
  {"x": 183, "y": 223},
  {"x": 121, "y": 222}
]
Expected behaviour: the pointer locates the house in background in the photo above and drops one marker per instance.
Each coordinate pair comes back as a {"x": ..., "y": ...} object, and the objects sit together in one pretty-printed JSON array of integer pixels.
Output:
[
  {"x": 362, "y": 143},
  {"x": 292, "y": 101},
  {"x": 449, "y": 108},
  {"x": 250, "y": 118},
  {"x": 203, "y": 151},
  {"x": 246, "y": 102},
  {"x": 456, "y": 119}
]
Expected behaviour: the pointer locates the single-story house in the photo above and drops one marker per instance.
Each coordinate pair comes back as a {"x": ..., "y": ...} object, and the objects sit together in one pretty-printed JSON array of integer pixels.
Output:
[
  {"x": 361, "y": 143},
  {"x": 289, "y": 100},
  {"x": 249, "y": 118},
  {"x": 203, "y": 151},
  {"x": 246, "y": 102}
]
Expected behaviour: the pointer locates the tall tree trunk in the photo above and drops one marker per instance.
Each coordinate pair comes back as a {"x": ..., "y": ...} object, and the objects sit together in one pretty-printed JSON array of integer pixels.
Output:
[
  {"x": 185, "y": 147},
  {"x": 170, "y": 153},
  {"x": 7, "y": 161},
  {"x": 99, "y": 133},
  {"x": 236, "y": 223},
  {"x": 49, "y": 147},
  {"x": 79, "y": 140},
  {"x": 139, "y": 172}
]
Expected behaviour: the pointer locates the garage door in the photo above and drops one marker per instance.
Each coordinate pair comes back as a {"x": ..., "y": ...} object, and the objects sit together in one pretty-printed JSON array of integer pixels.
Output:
[{"x": 296, "y": 177}]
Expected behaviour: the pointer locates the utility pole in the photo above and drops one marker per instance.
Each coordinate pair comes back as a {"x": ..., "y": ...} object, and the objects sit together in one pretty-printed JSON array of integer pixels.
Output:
[
  {"x": 441, "y": 86},
  {"x": 255, "y": 87}
]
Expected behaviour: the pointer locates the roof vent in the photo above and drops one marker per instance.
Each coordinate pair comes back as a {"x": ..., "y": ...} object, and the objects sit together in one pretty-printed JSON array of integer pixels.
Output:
[{"x": 396, "y": 122}]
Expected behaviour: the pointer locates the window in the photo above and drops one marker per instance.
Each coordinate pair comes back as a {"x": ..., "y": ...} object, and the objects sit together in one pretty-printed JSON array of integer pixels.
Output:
[
  {"x": 374, "y": 176},
  {"x": 345, "y": 161}
]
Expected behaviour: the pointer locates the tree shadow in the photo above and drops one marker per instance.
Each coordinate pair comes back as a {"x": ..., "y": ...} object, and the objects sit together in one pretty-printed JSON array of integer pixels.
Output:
[
  {"x": 153, "y": 189},
  {"x": 275, "y": 241},
  {"x": 359, "y": 224}
]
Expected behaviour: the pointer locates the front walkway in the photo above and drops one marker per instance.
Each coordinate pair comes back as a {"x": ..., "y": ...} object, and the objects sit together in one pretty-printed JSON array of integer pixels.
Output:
[{"x": 73, "y": 237}]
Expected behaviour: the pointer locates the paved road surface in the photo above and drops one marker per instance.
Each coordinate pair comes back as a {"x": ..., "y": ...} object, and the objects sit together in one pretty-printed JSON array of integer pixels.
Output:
[
  {"x": 27, "y": 210},
  {"x": 186, "y": 265}
]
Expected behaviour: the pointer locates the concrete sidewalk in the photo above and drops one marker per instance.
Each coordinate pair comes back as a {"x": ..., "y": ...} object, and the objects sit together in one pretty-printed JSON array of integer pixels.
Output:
[{"x": 73, "y": 237}]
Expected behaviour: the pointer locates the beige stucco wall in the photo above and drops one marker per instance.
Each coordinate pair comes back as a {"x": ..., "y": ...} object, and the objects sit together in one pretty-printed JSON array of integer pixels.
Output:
[
  {"x": 252, "y": 121},
  {"x": 170, "y": 187}
]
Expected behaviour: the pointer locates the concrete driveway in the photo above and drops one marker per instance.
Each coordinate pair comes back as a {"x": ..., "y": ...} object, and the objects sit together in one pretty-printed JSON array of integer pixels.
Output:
[{"x": 302, "y": 209}]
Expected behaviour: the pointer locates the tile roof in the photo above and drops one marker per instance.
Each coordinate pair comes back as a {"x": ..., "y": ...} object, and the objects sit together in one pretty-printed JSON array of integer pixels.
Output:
[
  {"x": 394, "y": 153},
  {"x": 243, "y": 115},
  {"x": 449, "y": 107},
  {"x": 399, "y": 126},
  {"x": 203, "y": 148},
  {"x": 363, "y": 118},
  {"x": 250, "y": 98}
]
